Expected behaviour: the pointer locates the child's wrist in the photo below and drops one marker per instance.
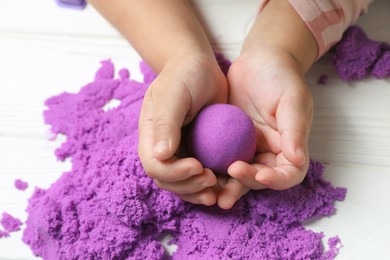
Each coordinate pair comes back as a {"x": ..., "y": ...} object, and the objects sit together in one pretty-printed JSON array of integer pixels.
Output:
[
  {"x": 199, "y": 58},
  {"x": 274, "y": 57},
  {"x": 279, "y": 27}
]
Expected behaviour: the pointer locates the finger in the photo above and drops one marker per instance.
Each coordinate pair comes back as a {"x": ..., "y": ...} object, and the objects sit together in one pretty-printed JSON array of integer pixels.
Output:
[
  {"x": 206, "y": 197},
  {"x": 246, "y": 175},
  {"x": 294, "y": 117},
  {"x": 268, "y": 139},
  {"x": 171, "y": 170},
  {"x": 145, "y": 133},
  {"x": 281, "y": 177},
  {"x": 192, "y": 185},
  {"x": 230, "y": 193},
  {"x": 168, "y": 117},
  {"x": 267, "y": 159}
]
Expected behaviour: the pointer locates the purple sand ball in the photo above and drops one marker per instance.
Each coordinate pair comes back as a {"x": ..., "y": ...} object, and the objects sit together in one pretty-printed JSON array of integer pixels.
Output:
[{"x": 220, "y": 135}]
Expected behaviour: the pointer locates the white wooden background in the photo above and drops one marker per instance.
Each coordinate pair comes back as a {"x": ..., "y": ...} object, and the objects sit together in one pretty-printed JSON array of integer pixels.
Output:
[{"x": 45, "y": 50}]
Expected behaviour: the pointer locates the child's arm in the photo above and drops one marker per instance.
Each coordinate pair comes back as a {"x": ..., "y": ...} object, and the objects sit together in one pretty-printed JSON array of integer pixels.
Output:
[
  {"x": 169, "y": 37},
  {"x": 158, "y": 30}
]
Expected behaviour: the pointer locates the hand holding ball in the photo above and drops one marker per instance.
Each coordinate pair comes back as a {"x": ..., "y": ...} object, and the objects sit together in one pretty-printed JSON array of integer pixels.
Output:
[{"x": 220, "y": 135}]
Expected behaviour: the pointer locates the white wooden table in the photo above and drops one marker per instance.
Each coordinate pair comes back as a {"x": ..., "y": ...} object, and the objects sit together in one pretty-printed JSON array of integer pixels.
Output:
[{"x": 45, "y": 50}]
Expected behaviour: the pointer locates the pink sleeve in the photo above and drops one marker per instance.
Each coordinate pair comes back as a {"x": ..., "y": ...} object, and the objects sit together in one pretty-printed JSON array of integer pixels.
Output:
[{"x": 328, "y": 19}]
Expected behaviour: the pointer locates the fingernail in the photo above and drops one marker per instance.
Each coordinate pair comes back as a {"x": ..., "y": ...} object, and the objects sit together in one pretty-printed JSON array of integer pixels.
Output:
[
  {"x": 195, "y": 171},
  {"x": 161, "y": 147}
]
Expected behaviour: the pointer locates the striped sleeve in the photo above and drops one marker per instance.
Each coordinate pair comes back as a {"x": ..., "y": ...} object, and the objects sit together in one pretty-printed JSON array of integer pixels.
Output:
[{"x": 328, "y": 19}]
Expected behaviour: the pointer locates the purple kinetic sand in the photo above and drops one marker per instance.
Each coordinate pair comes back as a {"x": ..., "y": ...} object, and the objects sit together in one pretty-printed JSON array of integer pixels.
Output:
[
  {"x": 3, "y": 234},
  {"x": 106, "y": 207},
  {"x": 21, "y": 185},
  {"x": 358, "y": 57},
  {"x": 9, "y": 223},
  {"x": 334, "y": 244},
  {"x": 224, "y": 64},
  {"x": 75, "y": 4},
  {"x": 323, "y": 79}
]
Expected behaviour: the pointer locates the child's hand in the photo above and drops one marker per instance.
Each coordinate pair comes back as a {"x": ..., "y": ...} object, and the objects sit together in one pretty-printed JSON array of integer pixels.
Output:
[
  {"x": 269, "y": 86},
  {"x": 183, "y": 87},
  {"x": 171, "y": 39},
  {"x": 267, "y": 82}
]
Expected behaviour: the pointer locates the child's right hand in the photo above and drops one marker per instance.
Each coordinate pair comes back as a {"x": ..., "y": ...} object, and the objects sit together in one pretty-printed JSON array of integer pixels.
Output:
[
  {"x": 183, "y": 87},
  {"x": 171, "y": 39}
]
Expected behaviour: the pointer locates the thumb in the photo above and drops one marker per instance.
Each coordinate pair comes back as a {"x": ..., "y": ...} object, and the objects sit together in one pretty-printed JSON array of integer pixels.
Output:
[
  {"x": 169, "y": 111},
  {"x": 294, "y": 118}
]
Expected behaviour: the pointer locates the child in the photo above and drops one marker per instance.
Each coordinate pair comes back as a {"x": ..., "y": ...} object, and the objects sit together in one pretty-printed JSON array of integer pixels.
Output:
[{"x": 266, "y": 81}]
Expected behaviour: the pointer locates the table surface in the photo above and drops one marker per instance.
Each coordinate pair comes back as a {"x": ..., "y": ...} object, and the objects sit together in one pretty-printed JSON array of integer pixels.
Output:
[{"x": 45, "y": 50}]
